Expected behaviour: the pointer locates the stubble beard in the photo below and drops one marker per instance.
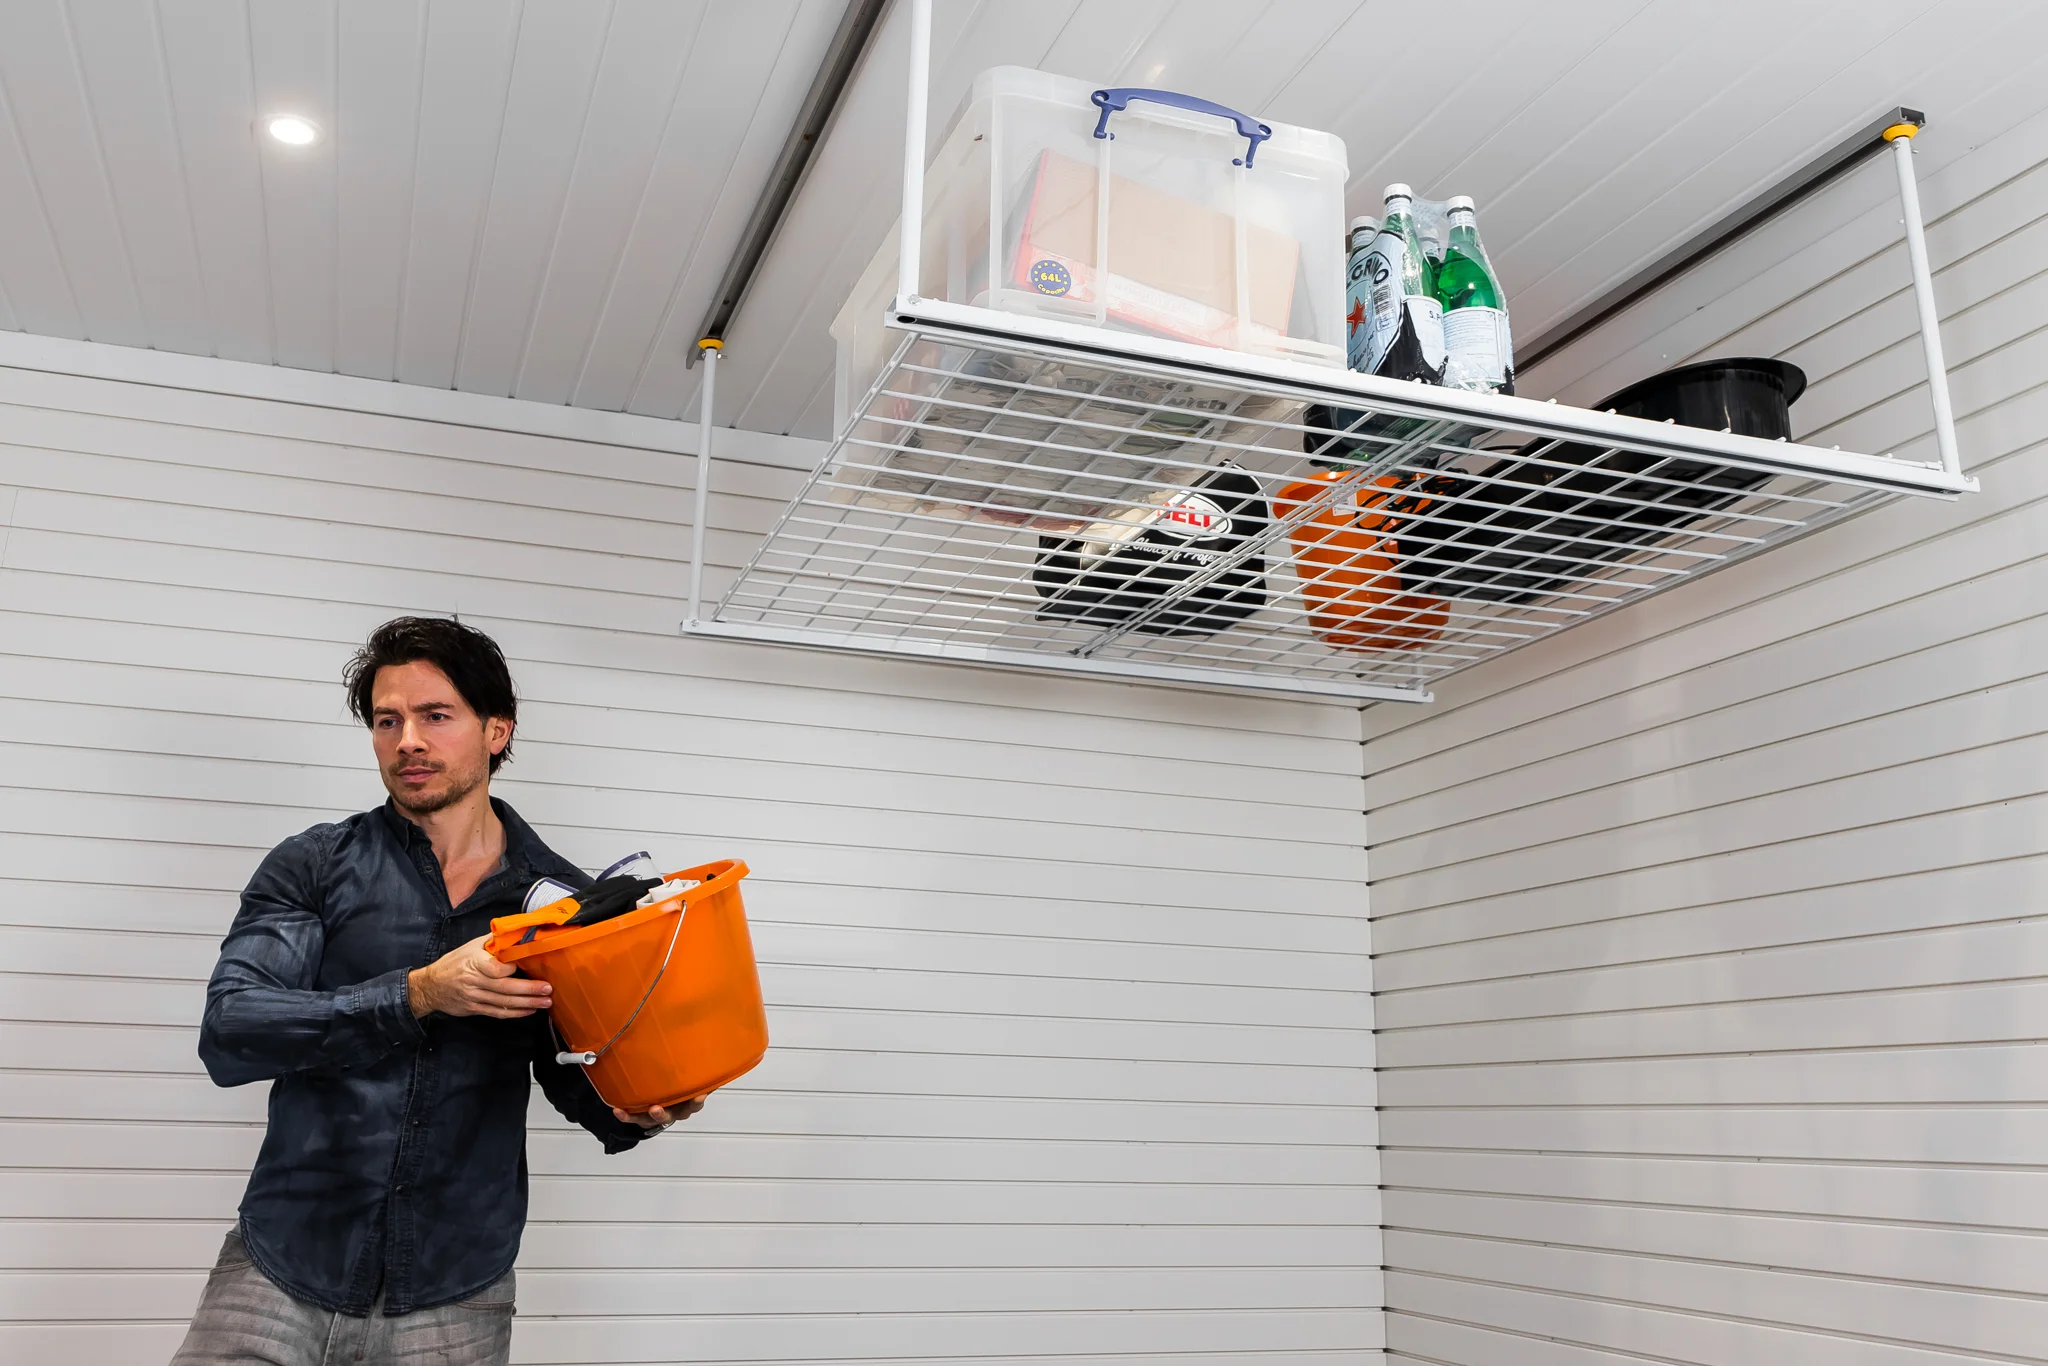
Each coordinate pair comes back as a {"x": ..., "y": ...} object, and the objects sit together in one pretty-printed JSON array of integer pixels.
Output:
[{"x": 460, "y": 785}]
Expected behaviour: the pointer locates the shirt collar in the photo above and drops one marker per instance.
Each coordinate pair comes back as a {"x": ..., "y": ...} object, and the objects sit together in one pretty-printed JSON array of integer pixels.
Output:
[{"x": 520, "y": 841}]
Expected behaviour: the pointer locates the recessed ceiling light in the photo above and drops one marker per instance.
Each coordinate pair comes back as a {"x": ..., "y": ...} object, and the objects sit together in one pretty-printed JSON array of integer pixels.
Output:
[{"x": 293, "y": 130}]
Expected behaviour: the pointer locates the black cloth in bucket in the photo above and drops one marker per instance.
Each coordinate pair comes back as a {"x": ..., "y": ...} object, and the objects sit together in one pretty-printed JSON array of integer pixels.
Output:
[{"x": 601, "y": 901}]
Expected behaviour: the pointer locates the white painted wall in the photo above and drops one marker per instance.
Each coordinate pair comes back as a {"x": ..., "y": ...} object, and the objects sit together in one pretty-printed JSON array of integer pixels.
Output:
[
  {"x": 1709, "y": 940},
  {"x": 1067, "y": 980}
]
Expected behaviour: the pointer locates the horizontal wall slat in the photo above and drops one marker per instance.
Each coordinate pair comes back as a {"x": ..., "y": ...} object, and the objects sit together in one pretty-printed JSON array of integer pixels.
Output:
[
  {"x": 2004, "y": 1013},
  {"x": 715, "y": 1154},
  {"x": 2009, "y": 1263},
  {"x": 2006, "y": 950},
  {"x": 50, "y": 1095},
  {"x": 797, "y": 1068},
  {"x": 1902, "y": 904},
  {"x": 1880, "y": 1313},
  {"x": 1979, "y": 1197},
  {"x": 1515, "y": 1324},
  {"x": 1980, "y": 1073},
  {"x": 1011, "y": 1290},
  {"x": 146, "y": 741},
  {"x": 1255, "y": 943},
  {"x": 123, "y": 1244},
  {"x": 1323, "y": 1337},
  {"x": 1981, "y": 1136},
  {"x": 589, "y": 668},
  {"x": 189, "y": 1195},
  {"x": 903, "y": 1026}
]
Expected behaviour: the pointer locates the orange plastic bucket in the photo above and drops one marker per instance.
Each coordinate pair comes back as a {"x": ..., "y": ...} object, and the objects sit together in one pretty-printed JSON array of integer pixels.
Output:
[
  {"x": 663, "y": 1002},
  {"x": 1349, "y": 566}
]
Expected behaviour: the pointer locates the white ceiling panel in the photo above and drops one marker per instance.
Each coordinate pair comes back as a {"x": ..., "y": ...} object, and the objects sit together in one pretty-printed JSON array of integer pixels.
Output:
[
  {"x": 554, "y": 84},
  {"x": 292, "y": 53},
  {"x": 538, "y": 197},
  {"x": 465, "y": 80},
  {"x": 755, "y": 112},
  {"x": 204, "y": 49},
  {"x": 743, "y": 73},
  {"x": 137, "y": 141},
  {"x": 53, "y": 118},
  {"x": 640, "y": 74},
  {"x": 380, "y": 63},
  {"x": 32, "y": 280}
]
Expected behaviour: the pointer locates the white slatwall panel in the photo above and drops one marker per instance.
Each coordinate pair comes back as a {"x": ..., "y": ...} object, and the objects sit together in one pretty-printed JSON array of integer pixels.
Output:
[
  {"x": 1067, "y": 980},
  {"x": 1710, "y": 954}
]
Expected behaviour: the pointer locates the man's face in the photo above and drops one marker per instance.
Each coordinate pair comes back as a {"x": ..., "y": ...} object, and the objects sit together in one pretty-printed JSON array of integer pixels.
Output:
[{"x": 432, "y": 750}]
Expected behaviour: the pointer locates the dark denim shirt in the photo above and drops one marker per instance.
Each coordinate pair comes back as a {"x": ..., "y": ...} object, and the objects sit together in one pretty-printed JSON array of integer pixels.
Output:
[{"x": 396, "y": 1152}]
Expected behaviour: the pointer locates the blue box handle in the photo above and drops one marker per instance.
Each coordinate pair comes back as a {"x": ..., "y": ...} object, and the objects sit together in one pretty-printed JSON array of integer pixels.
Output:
[{"x": 1116, "y": 101}]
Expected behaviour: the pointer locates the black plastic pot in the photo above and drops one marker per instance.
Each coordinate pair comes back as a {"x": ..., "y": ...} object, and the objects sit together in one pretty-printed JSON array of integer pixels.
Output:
[
  {"x": 1749, "y": 395},
  {"x": 1107, "y": 579},
  {"x": 1515, "y": 537}
]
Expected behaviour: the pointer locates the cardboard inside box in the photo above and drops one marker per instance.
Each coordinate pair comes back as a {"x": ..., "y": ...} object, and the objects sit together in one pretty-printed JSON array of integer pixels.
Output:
[{"x": 1172, "y": 262}]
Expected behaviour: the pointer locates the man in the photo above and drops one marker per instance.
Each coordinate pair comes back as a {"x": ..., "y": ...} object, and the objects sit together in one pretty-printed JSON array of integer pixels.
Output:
[{"x": 383, "y": 1216}]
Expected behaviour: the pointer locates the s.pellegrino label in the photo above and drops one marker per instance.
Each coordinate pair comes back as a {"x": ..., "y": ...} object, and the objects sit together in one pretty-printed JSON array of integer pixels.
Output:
[
  {"x": 1479, "y": 347},
  {"x": 1404, "y": 321},
  {"x": 1358, "y": 292}
]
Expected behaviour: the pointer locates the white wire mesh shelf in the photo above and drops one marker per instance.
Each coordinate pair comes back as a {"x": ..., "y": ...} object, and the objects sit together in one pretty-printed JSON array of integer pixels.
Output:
[{"x": 1017, "y": 492}]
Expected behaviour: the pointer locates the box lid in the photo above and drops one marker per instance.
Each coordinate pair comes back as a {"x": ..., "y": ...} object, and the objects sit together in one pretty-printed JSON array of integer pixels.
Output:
[{"x": 1027, "y": 83}]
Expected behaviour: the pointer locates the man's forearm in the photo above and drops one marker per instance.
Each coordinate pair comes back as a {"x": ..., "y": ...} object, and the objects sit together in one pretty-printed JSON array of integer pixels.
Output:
[{"x": 255, "y": 1033}]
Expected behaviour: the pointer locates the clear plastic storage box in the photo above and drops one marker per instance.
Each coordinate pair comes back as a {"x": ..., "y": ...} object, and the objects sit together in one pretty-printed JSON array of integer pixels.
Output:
[{"x": 1135, "y": 210}]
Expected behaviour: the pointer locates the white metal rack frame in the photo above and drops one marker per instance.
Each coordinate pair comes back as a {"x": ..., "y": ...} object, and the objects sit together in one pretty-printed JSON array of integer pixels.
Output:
[{"x": 1026, "y": 493}]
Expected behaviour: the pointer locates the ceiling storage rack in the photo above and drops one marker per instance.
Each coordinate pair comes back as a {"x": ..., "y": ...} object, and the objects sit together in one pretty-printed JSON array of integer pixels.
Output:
[{"x": 987, "y": 499}]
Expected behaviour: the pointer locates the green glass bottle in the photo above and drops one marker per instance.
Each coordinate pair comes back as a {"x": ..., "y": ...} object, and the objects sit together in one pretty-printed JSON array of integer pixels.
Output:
[
  {"x": 1404, "y": 320},
  {"x": 1479, "y": 350}
]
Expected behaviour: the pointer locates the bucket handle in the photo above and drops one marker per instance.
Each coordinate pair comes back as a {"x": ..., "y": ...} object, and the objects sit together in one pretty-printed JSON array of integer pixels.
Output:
[
  {"x": 1115, "y": 101},
  {"x": 586, "y": 1058}
]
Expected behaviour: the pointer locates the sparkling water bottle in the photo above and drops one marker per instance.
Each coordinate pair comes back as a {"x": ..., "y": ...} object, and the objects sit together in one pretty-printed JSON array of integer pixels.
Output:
[
  {"x": 1358, "y": 291},
  {"x": 1404, "y": 321},
  {"x": 1479, "y": 351}
]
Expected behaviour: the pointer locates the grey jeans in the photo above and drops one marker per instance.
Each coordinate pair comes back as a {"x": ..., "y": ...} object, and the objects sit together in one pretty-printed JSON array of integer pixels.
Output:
[{"x": 244, "y": 1320}]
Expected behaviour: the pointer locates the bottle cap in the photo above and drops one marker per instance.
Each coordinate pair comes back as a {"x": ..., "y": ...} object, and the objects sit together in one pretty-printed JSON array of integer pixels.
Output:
[
  {"x": 1457, "y": 202},
  {"x": 1399, "y": 191},
  {"x": 1365, "y": 220}
]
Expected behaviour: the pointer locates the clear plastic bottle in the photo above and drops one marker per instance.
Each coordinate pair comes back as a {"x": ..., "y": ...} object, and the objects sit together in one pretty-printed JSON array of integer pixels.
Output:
[
  {"x": 1405, "y": 323},
  {"x": 1478, "y": 345}
]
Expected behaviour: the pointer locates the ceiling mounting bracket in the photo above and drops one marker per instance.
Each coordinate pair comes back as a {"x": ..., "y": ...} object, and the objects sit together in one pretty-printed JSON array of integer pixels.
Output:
[{"x": 813, "y": 121}]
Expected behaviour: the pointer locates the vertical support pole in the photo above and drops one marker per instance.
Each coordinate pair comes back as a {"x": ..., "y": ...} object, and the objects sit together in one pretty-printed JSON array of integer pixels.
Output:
[
  {"x": 1900, "y": 136},
  {"x": 910, "y": 230},
  {"x": 711, "y": 348}
]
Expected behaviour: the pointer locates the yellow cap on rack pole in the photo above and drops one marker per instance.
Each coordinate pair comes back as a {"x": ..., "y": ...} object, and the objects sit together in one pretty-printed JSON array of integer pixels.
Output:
[
  {"x": 714, "y": 344},
  {"x": 1899, "y": 130}
]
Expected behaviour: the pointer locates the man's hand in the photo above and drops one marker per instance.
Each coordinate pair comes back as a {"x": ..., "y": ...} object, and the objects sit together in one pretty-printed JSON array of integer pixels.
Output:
[
  {"x": 658, "y": 1117},
  {"x": 468, "y": 981}
]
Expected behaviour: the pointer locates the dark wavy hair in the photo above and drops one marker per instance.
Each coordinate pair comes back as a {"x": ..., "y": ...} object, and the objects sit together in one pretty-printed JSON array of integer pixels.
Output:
[{"x": 471, "y": 659}]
